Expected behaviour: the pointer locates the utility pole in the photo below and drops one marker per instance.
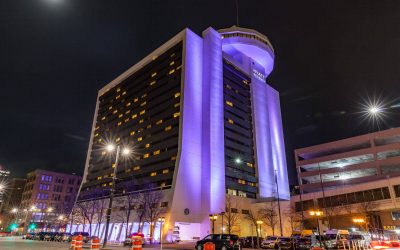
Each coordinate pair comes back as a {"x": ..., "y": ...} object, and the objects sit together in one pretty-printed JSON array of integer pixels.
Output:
[{"x": 279, "y": 203}]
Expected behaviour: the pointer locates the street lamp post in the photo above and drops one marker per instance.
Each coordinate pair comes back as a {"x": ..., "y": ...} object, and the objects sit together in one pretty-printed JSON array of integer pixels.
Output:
[
  {"x": 258, "y": 229},
  {"x": 317, "y": 214},
  {"x": 161, "y": 220},
  {"x": 213, "y": 218},
  {"x": 110, "y": 148},
  {"x": 222, "y": 221}
]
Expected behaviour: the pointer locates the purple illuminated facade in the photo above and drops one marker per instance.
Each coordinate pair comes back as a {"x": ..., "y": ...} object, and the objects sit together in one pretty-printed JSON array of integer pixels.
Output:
[{"x": 220, "y": 151}]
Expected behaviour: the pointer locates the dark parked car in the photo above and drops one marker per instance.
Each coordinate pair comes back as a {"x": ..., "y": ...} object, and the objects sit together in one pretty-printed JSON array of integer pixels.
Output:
[
  {"x": 221, "y": 241},
  {"x": 250, "y": 241},
  {"x": 270, "y": 242},
  {"x": 286, "y": 243},
  {"x": 62, "y": 237},
  {"x": 303, "y": 243},
  {"x": 40, "y": 236}
]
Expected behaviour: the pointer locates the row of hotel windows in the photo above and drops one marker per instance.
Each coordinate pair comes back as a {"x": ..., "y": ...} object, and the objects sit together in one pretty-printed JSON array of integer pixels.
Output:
[
  {"x": 56, "y": 188},
  {"x": 236, "y": 192},
  {"x": 136, "y": 115},
  {"x": 136, "y": 168}
]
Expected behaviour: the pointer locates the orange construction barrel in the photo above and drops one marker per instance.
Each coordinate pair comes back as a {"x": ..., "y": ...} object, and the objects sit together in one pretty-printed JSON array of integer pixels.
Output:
[
  {"x": 78, "y": 243},
  {"x": 136, "y": 243},
  {"x": 95, "y": 243},
  {"x": 73, "y": 241}
]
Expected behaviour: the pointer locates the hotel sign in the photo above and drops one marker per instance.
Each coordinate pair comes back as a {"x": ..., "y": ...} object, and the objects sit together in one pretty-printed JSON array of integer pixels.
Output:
[{"x": 260, "y": 76}]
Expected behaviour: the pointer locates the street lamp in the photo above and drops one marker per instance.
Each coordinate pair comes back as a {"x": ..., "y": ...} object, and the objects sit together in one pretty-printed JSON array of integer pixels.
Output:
[
  {"x": 161, "y": 220},
  {"x": 222, "y": 222},
  {"x": 213, "y": 218},
  {"x": 14, "y": 210},
  {"x": 258, "y": 229},
  {"x": 359, "y": 221},
  {"x": 317, "y": 214},
  {"x": 126, "y": 151}
]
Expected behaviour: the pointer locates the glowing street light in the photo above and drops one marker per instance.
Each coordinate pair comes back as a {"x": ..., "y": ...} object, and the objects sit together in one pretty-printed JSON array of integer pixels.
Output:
[
  {"x": 374, "y": 110},
  {"x": 317, "y": 214},
  {"x": 238, "y": 161},
  {"x": 14, "y": 210},
  {"x": 125, "y": 152}
]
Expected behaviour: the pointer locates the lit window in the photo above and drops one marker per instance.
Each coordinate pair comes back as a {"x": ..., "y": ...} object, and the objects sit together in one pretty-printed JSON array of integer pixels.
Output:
[
  {"x": 136, "y": 99},
  {"x": 127, "y": 112},
  {"x": 229, "y": 103},
  {"x": 177, "y": 94},
  {"x": 110, "y": 183},
  {"x": 103, "y": 118},
  {"x": 142, "y": 104},
  {"x": 154, "y": 74},
  {"x": 127, "y": 170},
  {"x": 100, "y": 140},
  {"x": 228, "y": 86},
  {"x": 127, "y": 119},
  {"x": 118, "y": 96},
  {"x": 99, "y": 177},
  {"x": 148, "y": 126},
  {"x": 118, "y": 90},
  {"x": 152, "y": 83},
  {"x": 146, "y": 155},
  {"x": 136, "y": 168},
  {"x": 241, "y": 181},
  {"x": 104, "y": 185},
  {"x": 158, "y": 122},
  {"x": 140, "y": 139},
  {"x": 97, "y": 128},
  {"x": 103, "y": 153},
  {"x": 171, "y": 71},
  {"x": 112, "y": 174},
  {"x": 168, "y": 128},
  {"x": 165, "y": 171},
  {"x": 177, "y": 114},
  {"x": 147, "y": 145},
  {"x": 144, "y": 95},
  {"x": 177, "y": 104},
  {"x": 172, "y": 55},
  {"x": 115, "y": 111},
  {"x": 134, "y": 116},
  {"x": 97, "y": 134},
  {"x": 157, "y": 152},
  {"x": 142, "y": 112},
  {"x": 132, "y": 133},
  {"x": 249, "y": 164},
  {"x": 119, "y": 123},
  {"x": 120, "y": 115},
  {"x": 230, "y": 121},
  {"x": 141, "y": 121},
  {"x": 173, "y": 158},
  {"x": 153, "y": 174},
  {"x": 128, "y": 104},
  {"x": 140, "y": 130},
  {"x": 179, "y": 67},
  {"x": 124, "y": 93},
  {"x": 172, "y": 63},
  {"x": 245, "y": 82},
  {"x": 109, "y": 108},
  {"x": 251, "y": 184},
  {"x": 163, "y": 184},
  {"x": 118, "y": 139}
]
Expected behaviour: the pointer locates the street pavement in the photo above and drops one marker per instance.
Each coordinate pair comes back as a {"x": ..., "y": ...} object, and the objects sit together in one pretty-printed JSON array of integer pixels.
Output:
[{"x": 17, "y": 243}]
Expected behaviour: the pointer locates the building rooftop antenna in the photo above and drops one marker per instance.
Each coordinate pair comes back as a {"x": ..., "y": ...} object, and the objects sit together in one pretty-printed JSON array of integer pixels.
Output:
[{"x": 237, "y": 12}]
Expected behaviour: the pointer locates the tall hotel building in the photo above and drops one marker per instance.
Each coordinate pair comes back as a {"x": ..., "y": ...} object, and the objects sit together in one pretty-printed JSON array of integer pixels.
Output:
[{"x": 202, "y": 122}]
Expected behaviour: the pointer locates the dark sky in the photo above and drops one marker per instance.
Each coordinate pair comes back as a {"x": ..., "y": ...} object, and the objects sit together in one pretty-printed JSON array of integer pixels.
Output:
[{"x": 55, "y": 55}]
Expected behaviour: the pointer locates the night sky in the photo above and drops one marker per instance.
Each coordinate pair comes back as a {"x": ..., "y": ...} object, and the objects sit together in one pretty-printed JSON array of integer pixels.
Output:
[{"x": 330, "y": 58}]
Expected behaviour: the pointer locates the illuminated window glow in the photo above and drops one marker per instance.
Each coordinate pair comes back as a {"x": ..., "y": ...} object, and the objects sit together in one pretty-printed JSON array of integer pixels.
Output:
[
  {"x": 153, "y": 174},
  {"x": 168, "y": 128},
  {"x": 165, "y": 171},
  {"x": 178, "y": 94},
  {"x": 140, "y": 139},
  {"x": 154, "y": 74},
  {"x": 158, "y": 122},
  {"x": 177, "y": 114},
  {"x": 157, "y": 152},
  {"x": 146, "y": 155},
  {"x": 229, "y": 103},
  {"x": 230, "y": 121}
]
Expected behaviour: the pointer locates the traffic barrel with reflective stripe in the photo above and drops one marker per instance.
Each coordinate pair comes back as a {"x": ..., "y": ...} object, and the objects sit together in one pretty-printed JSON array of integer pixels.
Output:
[
  {"x": 78, "y": 243},
  {"x": 73, "y": 241},
  {"x": 136, "y": 243},
  {"x": 95, "y": 243}
]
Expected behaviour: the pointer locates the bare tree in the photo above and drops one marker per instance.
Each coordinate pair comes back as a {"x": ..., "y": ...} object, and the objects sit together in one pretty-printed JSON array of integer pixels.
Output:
[
  {"x": 140, "y": 210},
  {"x": 270, "y": 215},
  {"x": 253, "y": 217},
  {"x": 127, "y": 204},
  {"x": 368, "y": 209},
  {"x": 101, "y": 205},
  {"x": 88, "y": 210},
  {"x": 153, "y": 209},
  {"x": 293, "y": 217},
  {"x": 232, "y": 216}
]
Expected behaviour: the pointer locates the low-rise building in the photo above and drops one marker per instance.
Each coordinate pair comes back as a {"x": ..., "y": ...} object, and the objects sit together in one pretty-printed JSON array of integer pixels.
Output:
[{"x": 351, "y": 178}]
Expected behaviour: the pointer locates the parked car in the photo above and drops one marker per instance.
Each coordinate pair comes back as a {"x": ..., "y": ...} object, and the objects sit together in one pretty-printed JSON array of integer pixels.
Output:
[
  {"x": 357, "y": 236},
  {"x": 221, "y": 241},
  {"x": 337, "y": 238},
  {"x": 250, "y": 241},
  {"x": 28, "y": 236},
  {"x": 40, "y": 236},
  {"x": 286, "y": 243},
  {"x": 270, "y": 242},
  {"x": 128, "y": 240},
  {"x": 303, "y": 243}
]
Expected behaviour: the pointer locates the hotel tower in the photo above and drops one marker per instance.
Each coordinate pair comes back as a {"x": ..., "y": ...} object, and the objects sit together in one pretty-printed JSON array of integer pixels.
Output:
[{"x": 203, "y": 125}]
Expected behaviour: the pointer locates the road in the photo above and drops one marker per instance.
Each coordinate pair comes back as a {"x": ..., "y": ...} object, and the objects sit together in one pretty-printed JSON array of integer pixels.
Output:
[{"x": 16, "y": 243}]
